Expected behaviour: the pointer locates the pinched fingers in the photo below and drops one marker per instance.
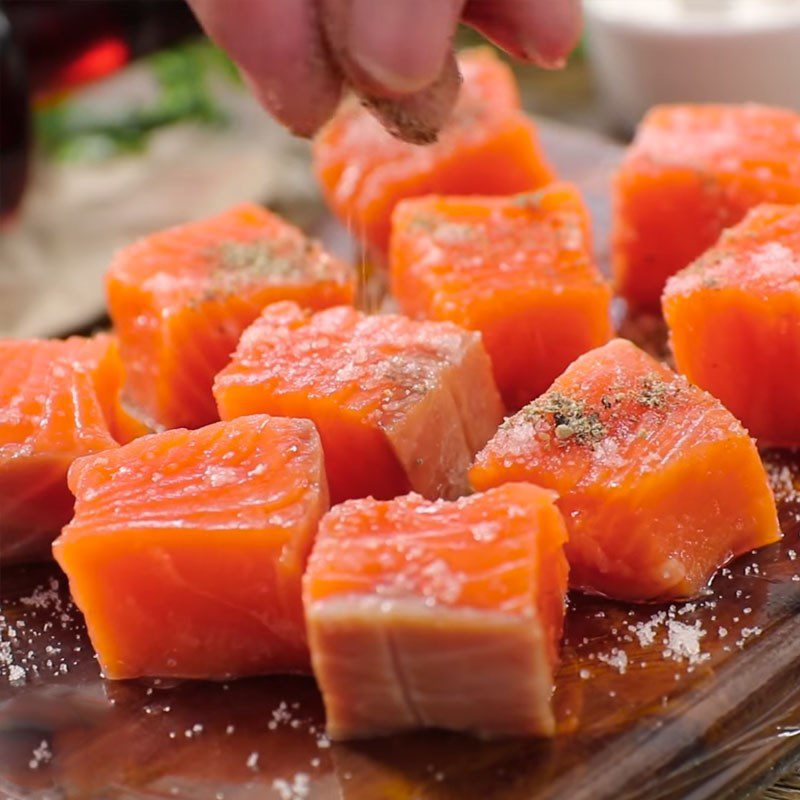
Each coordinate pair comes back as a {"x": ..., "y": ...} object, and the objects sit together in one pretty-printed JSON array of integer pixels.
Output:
[
  {"x": 396, "y": 54},
  {"x": 280, "y": 48}
]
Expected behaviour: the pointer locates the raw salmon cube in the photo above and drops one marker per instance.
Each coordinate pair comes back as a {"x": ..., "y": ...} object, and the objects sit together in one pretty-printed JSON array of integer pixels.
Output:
[
  {"x": 659, "y": 484},
  {"x": 100, "y": 356},
  {"x": 438, "y": 614},
  {"x": 399, "y": 404},
  {"x": 518, "y": 269},
  {"x": 181, "y": 298},
  {"x": 97, "y": 356},
  {"x": 487, "y": 147},
  {"x": 187, "y": 548},
  {"x": 691, "y": 172},
  {"x": 734, "y": 321},
  {"x": 58, "y": 401}
]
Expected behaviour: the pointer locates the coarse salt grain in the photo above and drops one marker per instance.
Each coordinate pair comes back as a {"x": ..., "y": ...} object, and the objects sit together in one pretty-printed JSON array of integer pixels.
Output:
[
  {"x": 683, "y": 642},
  {"x": 44, "y": 598},
  {"x": 645, "y": 632},
  {"x": 41, "y": 755},
  {"x": 617, "y": 659},
  {"x": 298, "y": 789},
  {"x": 746, "y": 633},
  {"x": 16, "y": 674}
]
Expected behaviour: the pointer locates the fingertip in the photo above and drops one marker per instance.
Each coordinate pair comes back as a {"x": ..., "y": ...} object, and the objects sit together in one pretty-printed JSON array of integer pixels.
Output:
[
  {"x": 540, "y": 31},
  {"x": 282, "y": 55},
  {"x": 300, "y": 118},
  {"x": 551, "y": 44},
  {"x": 418, "y": 118},
  {"x": 393, "y": 49}
]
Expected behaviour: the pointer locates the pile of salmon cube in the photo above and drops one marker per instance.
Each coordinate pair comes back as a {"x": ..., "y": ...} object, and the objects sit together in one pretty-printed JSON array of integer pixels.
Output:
[{"x": 252, "y": 475}]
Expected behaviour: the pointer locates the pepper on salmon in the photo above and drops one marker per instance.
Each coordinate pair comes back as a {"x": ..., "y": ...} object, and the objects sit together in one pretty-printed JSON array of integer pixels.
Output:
[
  {"x": 59, "y": 399},
  {"x": 734, "y": 322},
  {"x": 187, "y": 548},
  {"x": 658, "y": 483},
  {"x": 400, "y": 405},
  {"x": 691, "y": 172},
  {"x": 518, "y": 269},
  {"x": 488, "y": 146},
  {"x": 180, "y": 299},
  {"x": 438, "y": 614}
]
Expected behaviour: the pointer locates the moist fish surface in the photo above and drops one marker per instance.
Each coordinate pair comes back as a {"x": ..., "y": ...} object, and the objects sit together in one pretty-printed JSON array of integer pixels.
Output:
[
  {"x": 180, "y": 298},
  {"x": 187, "y": 549},
  {"x": 734, "y": 322},
  {"x": 438, "y": 614},
  {"x": 488, "y": 146},
  {"x": 518, "y": 269},
  {"x": 59, "y": 399},
  {"x": 658, "y": 482},
  {"x": 399, "y": 404}
]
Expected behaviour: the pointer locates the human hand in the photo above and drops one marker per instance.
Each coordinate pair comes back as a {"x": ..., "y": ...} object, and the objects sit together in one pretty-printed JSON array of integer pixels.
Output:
[{"x": 396, "y": 54}]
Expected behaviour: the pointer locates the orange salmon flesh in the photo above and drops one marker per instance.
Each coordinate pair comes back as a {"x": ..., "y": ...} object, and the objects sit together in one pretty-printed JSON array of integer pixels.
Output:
[
  {"x": 658, "y": 483},
  {"x": 180, "y": 299},
  {"x": 59, "y": 399},
  {"x": 488, "y": 146},
  {"x": 691, "y": 172},
  {"x": 187, "y": 549},
  {"x": 734, "y": 322},
  {"x": 438, "y": 614},
  {"x": 518, "y": 269},
  {"x": 400, "y": 405}
]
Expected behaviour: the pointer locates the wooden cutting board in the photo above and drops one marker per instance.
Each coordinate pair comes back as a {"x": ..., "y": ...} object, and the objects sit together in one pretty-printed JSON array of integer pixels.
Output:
[{"x": 693, "y": 700}]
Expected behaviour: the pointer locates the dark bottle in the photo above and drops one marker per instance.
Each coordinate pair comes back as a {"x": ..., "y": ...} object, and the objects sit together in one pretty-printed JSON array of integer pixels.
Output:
[
  {"x": 48, "y": 45},
  {"x": 14, "y": 122}
]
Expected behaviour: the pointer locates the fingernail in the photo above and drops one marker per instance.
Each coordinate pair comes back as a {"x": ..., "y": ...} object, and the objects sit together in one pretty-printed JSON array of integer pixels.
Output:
[
  {"x": 402, "y": 48},
  {"x": 300, "y": 122},
  {"x": 549, "y": 62},
  {"x": 398, "y": 82}
]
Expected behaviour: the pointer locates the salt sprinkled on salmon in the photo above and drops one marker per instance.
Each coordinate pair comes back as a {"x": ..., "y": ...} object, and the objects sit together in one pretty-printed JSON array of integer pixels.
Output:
[
  {"x": 396, "y": 592},
  {"x": 637, "y": 455},
  {"x": 733, "y": 317},
  {"x": 399, "y": 404},
  {"x": 691, "y": 172},
  {"x": 239, "y": 539},
  {"x": 180, "y": 299}
]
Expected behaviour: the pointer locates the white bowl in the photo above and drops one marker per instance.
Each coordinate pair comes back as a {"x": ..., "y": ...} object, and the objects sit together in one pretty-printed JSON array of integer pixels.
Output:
[{"x": 646, "y": 52}]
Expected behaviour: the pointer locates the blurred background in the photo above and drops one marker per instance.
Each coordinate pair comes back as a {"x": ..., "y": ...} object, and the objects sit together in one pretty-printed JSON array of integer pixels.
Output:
[{"x": 118, "y": 118}]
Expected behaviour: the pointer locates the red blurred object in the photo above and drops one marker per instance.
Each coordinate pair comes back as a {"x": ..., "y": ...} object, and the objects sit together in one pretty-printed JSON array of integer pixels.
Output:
[
  {"x": 98, "y": 60},
  {"x": 47, "y": 46}
]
